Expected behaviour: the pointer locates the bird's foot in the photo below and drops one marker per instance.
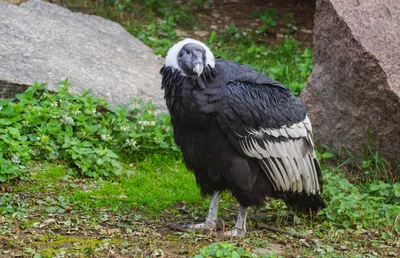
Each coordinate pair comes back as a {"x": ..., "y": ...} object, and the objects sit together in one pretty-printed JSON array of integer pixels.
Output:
[
  {"x": 235, "y": 232},
  {"x": 205, "y": 226}
]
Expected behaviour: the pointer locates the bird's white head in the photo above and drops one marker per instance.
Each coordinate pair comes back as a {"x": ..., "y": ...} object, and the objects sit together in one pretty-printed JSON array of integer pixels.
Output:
[{"x": 190, "y": 56}]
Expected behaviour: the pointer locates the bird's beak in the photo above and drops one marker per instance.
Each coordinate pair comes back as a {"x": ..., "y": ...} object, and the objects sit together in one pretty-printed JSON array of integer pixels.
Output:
[{"x": 198, "y": 69}]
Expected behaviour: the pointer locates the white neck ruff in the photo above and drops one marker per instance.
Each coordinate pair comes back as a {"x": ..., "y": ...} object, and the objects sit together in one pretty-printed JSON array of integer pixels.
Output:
[{"x": 172, "y": 56}]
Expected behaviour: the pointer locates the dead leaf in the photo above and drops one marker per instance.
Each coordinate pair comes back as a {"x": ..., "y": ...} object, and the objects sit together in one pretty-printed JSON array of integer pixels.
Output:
[
  {"x": 112, "y": 231},
  {"x": 137, "y": 233},
  {"x": 46, "y": 222},
  {"x": 158, "y": 252},
  {"x": 6, "y": 188}
]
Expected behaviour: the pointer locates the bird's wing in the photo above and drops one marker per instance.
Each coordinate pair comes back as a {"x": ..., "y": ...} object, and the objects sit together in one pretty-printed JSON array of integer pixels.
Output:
[{"x": 265, "y": 121}]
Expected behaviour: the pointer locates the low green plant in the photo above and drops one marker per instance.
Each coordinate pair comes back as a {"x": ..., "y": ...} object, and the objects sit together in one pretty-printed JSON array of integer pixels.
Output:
[
  {"x": 225, "y": 250},
  {"x": 76, "y": 128},
  {"x": 369, "y": 166},
  {"x": 374, "y": 166},
  {"x": 203, "y": 3},
  {"x": 269, "y": 20},
  {"x": 14, "y": 206},
  {"x": 323, "y": 153},
  {"x": 365, "y": 207},
  {"x": 291, "y": 27}
]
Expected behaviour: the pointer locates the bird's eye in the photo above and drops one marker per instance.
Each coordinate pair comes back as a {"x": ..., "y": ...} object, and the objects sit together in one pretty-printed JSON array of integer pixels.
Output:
[{"x": 187, "y": 52}]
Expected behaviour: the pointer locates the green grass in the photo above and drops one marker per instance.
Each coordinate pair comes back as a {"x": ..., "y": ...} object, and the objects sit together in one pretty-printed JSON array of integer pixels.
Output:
[{"x": 158, "y": 182}]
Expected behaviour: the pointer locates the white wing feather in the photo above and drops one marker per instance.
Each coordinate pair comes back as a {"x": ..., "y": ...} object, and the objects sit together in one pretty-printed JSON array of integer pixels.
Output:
[{"x": 288, "y": 164}]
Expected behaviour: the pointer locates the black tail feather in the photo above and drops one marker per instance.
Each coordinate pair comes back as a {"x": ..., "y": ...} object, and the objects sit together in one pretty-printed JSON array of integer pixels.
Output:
[{"x": 303, "y": 203}]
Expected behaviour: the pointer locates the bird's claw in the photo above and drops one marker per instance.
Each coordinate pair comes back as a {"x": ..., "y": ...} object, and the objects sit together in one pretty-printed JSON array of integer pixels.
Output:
[
  {"x": 235, "y": 232},
  {"x": 205, "y": 226}
]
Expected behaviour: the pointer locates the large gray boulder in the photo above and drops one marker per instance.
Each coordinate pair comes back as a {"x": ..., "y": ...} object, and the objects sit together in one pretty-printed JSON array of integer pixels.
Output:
[
  {"x": 47, "y": 43},
  {"x": 355, "y": 84}
]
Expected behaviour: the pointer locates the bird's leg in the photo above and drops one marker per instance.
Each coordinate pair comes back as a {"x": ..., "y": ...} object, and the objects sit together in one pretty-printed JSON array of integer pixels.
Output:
[
  {"x": 240, "y": 227},
  {"x": 212, "y": 217}
]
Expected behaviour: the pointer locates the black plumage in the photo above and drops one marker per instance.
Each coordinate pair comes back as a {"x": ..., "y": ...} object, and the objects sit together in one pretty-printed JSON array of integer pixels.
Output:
[{"x": 241, "y": 131}]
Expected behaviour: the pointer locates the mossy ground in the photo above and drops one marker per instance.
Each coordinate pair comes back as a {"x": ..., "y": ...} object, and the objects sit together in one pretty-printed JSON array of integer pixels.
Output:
[{"x": 56, "y": 215}]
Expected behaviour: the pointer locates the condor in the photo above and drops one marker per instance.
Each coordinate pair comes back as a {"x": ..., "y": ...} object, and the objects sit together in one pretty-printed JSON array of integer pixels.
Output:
[{"x": 240, "y": 131}]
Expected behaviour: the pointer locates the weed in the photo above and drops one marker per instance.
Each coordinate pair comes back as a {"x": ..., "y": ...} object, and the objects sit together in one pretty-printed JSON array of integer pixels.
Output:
[
  {"x": 366, "y": 207},
  {"x": 374, "y": 166},
  {"x": 291, "y": 27},
  {"x": 203, "y": 3},
  {"x": 225, "y": 250},
  {"x": 269, "y": 20},
  {"x": 77, "y": 129},
  {"x": 369, "y": 166},
  {"x": 323, "y": 153},
  {"x": 11, "y": 205}
]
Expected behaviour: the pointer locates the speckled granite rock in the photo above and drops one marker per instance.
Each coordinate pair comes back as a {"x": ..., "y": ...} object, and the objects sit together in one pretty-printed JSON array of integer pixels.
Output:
[
  {"x": 44, "y": 42},
  {"x": 355, "y": 83}
]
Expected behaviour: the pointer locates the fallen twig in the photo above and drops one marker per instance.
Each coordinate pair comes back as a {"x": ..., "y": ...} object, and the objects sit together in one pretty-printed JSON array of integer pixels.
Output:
[{"x": 286, "y": 232}]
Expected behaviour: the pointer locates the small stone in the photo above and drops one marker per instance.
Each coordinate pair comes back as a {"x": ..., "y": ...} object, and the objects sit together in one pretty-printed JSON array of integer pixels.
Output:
[
  {"x": 181, "y": 33},
  {"x": 8, "y": 188},
  {"x": 306, "y": 31},
  {"x": 47, "y": 222},
  {"x": 201, "y": 33},
  {"x": 215, "y": 15},
  {"x": 112, "y": 231},
  {"x": 137, "y": 233},
  {"x": 158, "y": 252}
]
